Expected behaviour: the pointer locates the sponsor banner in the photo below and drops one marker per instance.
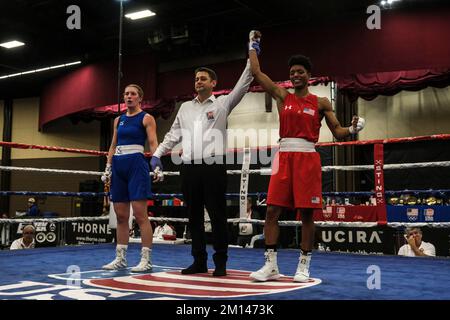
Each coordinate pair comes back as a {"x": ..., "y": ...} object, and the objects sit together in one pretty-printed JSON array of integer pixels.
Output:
[
  {"x": 347, "y": 213},
  {"x": 47, "y": 233},
  {"x": 243, "y": 191},
  {"x": 418, "y": 213},
  {"x": 374, "y": 240},
  {"x": 81, "y": 232},
  {"x": 378, "y": 155}
]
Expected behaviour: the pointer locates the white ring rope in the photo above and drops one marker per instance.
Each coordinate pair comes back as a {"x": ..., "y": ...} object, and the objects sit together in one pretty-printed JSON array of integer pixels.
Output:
[
  {"x": 92, "y": 173},
  {"x": 263, "y": 171},
  {"x": 281, "y": 223},
  {"x": 395, "y": 166}
]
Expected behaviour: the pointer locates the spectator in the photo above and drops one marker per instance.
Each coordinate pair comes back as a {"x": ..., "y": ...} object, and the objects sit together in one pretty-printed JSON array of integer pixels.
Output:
[
  {"x": 162, "y": 229},
  {"x": 415, "y": 246},
  {"x": 27, "y": 241},
  {"x": 33, "y": 210}
]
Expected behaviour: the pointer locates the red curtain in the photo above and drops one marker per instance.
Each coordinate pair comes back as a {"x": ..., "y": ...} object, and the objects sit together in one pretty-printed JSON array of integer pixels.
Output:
[
  {"x": 164, "y": 107},
  {"x": 369, "y": 86},
  {"x": 157, "y": 108},
  {"x": 413, "y": 40},
  {"x": 94, "y": 86}
]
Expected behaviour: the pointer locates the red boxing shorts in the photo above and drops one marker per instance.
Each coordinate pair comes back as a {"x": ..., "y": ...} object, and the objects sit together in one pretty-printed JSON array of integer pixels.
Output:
[{"x": 298, "y": 181}]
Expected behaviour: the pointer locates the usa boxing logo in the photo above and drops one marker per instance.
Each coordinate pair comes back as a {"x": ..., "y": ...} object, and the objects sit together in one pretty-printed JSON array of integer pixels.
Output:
[
  {"x": 210, "y": 115},
  {"x": 201, "y": 285}
]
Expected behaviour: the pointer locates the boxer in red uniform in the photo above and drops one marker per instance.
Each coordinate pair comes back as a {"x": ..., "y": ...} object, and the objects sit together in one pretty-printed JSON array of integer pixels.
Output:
[{"x": 296, "y": 180}]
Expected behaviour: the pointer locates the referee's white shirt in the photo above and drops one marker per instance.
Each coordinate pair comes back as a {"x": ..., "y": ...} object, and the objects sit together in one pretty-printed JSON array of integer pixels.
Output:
[{"x": 202, "y": 127}]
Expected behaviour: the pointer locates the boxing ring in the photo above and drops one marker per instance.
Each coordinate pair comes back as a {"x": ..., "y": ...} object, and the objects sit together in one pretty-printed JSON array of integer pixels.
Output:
[{"x": 72, "y": 272}]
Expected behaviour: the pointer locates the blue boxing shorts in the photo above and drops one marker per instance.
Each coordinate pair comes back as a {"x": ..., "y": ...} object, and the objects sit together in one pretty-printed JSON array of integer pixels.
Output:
[{"x": 130, "y": 178}]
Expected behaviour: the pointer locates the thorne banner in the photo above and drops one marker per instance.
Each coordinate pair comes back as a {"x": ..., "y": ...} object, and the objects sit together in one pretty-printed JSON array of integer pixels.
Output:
[{"x": 81, "y": 232}]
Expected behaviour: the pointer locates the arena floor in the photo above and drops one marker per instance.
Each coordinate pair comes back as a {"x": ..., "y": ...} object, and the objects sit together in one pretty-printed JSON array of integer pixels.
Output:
[{"x": 74, "y": 273}]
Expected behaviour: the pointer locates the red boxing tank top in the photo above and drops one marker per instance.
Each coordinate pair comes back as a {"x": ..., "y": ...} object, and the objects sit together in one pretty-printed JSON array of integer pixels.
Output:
[{"x": 300, "y": 118}]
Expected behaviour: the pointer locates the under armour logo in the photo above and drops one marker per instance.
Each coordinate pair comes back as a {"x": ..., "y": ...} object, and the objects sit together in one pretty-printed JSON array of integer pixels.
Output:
[
  {"x": 287, "y": 107},
  {"x": 118, "y": 150}
]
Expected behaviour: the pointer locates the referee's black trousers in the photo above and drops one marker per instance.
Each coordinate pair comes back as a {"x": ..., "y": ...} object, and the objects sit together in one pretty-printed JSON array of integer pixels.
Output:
[{"x": 204, "y": 185}]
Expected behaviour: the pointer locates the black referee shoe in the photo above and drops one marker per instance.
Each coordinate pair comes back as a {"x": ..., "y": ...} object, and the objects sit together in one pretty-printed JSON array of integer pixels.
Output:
[
  {"x": 195, "y": 268},
  {"x": 220, "y": 271}
]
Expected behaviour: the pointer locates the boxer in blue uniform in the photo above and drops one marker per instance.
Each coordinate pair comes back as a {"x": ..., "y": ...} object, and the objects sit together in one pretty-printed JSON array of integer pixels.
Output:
[{"x": 128, "y": 171}]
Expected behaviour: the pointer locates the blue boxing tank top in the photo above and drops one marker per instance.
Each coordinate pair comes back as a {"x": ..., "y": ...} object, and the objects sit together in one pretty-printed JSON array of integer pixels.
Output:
[{"x": 130, "y": 130}]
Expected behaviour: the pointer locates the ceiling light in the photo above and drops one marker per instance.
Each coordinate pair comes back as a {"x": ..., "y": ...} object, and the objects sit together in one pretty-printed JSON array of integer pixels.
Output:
[
  {"x": 39, "y": 70},
  {"x": 140, "y": 14},
  {"x": 11, "y": 44}
]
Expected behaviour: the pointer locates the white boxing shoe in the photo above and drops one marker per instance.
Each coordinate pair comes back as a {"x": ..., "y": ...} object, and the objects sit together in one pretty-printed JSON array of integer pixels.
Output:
[
  {"x": 302, "y": 273},
  {"x": 146, "y": 261},
  {"x": 270, "y": 269},
  {"x": 301, "y": 276},
  {"x": 120, "y": 262}
]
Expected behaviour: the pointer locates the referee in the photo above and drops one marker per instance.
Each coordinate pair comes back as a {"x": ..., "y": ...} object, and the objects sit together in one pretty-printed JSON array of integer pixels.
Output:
[{"x": 200, "y": 126}]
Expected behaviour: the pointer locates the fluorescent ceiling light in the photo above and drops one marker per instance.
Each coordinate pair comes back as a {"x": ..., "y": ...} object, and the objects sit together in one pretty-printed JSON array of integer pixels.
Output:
[
  {"x": 140, "y": 14},
  {"x": 11, "y": 44},
  {"x": 39, "y": 70}
]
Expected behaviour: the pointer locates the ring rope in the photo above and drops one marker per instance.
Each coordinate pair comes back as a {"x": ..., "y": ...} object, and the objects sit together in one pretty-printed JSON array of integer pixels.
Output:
[
  {"x": 263, "y": 171},
  {"x": 54, "y": 193},
  {"x": 49, "y": 148},
  {"x": 395, "y": 166},
  {"x": 92, "y": 173},
  {"x": 432, "y": 192},
  {"x": 322, "y": 144},
  {"x": 281, "y": 223}
]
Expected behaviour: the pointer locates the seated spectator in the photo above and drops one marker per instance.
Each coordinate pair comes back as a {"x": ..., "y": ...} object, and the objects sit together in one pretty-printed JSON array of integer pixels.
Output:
[
  {"x": 162, "y": 229},
  {"x": 27, "y": 241},
  {"x": 33, "y": 210},
  {"x": 415, "y": 246}
]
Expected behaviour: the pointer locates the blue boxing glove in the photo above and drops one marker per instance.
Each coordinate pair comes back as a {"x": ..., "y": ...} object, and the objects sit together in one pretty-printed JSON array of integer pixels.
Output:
[
  {"x": 254, "y": 40},
  {"x": 155, "y": 162},
  {"x": 157, "y": 168}
]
